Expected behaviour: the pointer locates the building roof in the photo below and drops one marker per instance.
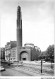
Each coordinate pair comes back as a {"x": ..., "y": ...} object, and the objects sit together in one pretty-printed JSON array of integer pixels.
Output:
[{"x": 11, "y": 44}]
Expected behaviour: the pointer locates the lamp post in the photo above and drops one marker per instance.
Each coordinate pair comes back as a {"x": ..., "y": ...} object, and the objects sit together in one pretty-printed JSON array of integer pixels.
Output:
[{"x": 41, "y": 65}]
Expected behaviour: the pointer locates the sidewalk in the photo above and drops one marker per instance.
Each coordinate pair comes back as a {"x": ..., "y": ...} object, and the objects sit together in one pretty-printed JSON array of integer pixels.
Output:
[
  {"x": 32, "y": 73},
  {"x": 27, "y": 71},
  {"x": 33, "y": 69}
]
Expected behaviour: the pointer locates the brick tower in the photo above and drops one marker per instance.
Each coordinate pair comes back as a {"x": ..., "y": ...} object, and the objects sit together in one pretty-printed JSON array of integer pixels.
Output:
[{"x": 19, "y": 31}]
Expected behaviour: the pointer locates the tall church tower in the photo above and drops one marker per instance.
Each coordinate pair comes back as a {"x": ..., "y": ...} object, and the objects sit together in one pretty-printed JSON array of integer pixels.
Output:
[{"x": 19, "y": 30}]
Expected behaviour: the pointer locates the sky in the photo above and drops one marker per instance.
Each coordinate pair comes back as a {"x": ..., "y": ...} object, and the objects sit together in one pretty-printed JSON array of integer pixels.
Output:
[{"x": 37, "y": 22}]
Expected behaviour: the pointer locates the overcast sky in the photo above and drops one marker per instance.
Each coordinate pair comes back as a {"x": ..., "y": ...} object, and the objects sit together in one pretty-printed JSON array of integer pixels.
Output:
[{"x": 37, "y": 22}]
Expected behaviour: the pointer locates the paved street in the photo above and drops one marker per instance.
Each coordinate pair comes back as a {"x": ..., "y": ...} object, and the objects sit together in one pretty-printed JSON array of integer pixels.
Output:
[{"x": 12, "y": 72}]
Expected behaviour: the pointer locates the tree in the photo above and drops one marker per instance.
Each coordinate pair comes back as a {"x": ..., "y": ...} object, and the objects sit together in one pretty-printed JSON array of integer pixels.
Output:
[
  {"x": 50, "y": 53},
  {"x": 42, "y": 55}
]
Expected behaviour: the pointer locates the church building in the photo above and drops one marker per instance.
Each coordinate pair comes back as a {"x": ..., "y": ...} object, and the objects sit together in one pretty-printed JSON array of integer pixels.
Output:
[{"x": 14, "y": 50}]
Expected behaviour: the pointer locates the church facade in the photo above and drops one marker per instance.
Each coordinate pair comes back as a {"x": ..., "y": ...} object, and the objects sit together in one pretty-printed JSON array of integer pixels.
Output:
[{"x": 27, "y": 53}]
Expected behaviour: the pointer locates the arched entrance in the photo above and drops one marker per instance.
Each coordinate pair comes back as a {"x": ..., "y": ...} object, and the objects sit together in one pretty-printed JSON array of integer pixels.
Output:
[{"x": 24, "y": 56}]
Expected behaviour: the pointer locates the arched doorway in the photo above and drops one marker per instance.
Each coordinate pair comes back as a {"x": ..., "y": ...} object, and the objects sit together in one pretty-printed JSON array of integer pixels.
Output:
[{"x": 24, "y": 56}]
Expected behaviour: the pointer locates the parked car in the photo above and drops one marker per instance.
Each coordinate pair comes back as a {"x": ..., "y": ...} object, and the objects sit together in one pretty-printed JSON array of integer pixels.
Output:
[{"x": 2, "y": 68}]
